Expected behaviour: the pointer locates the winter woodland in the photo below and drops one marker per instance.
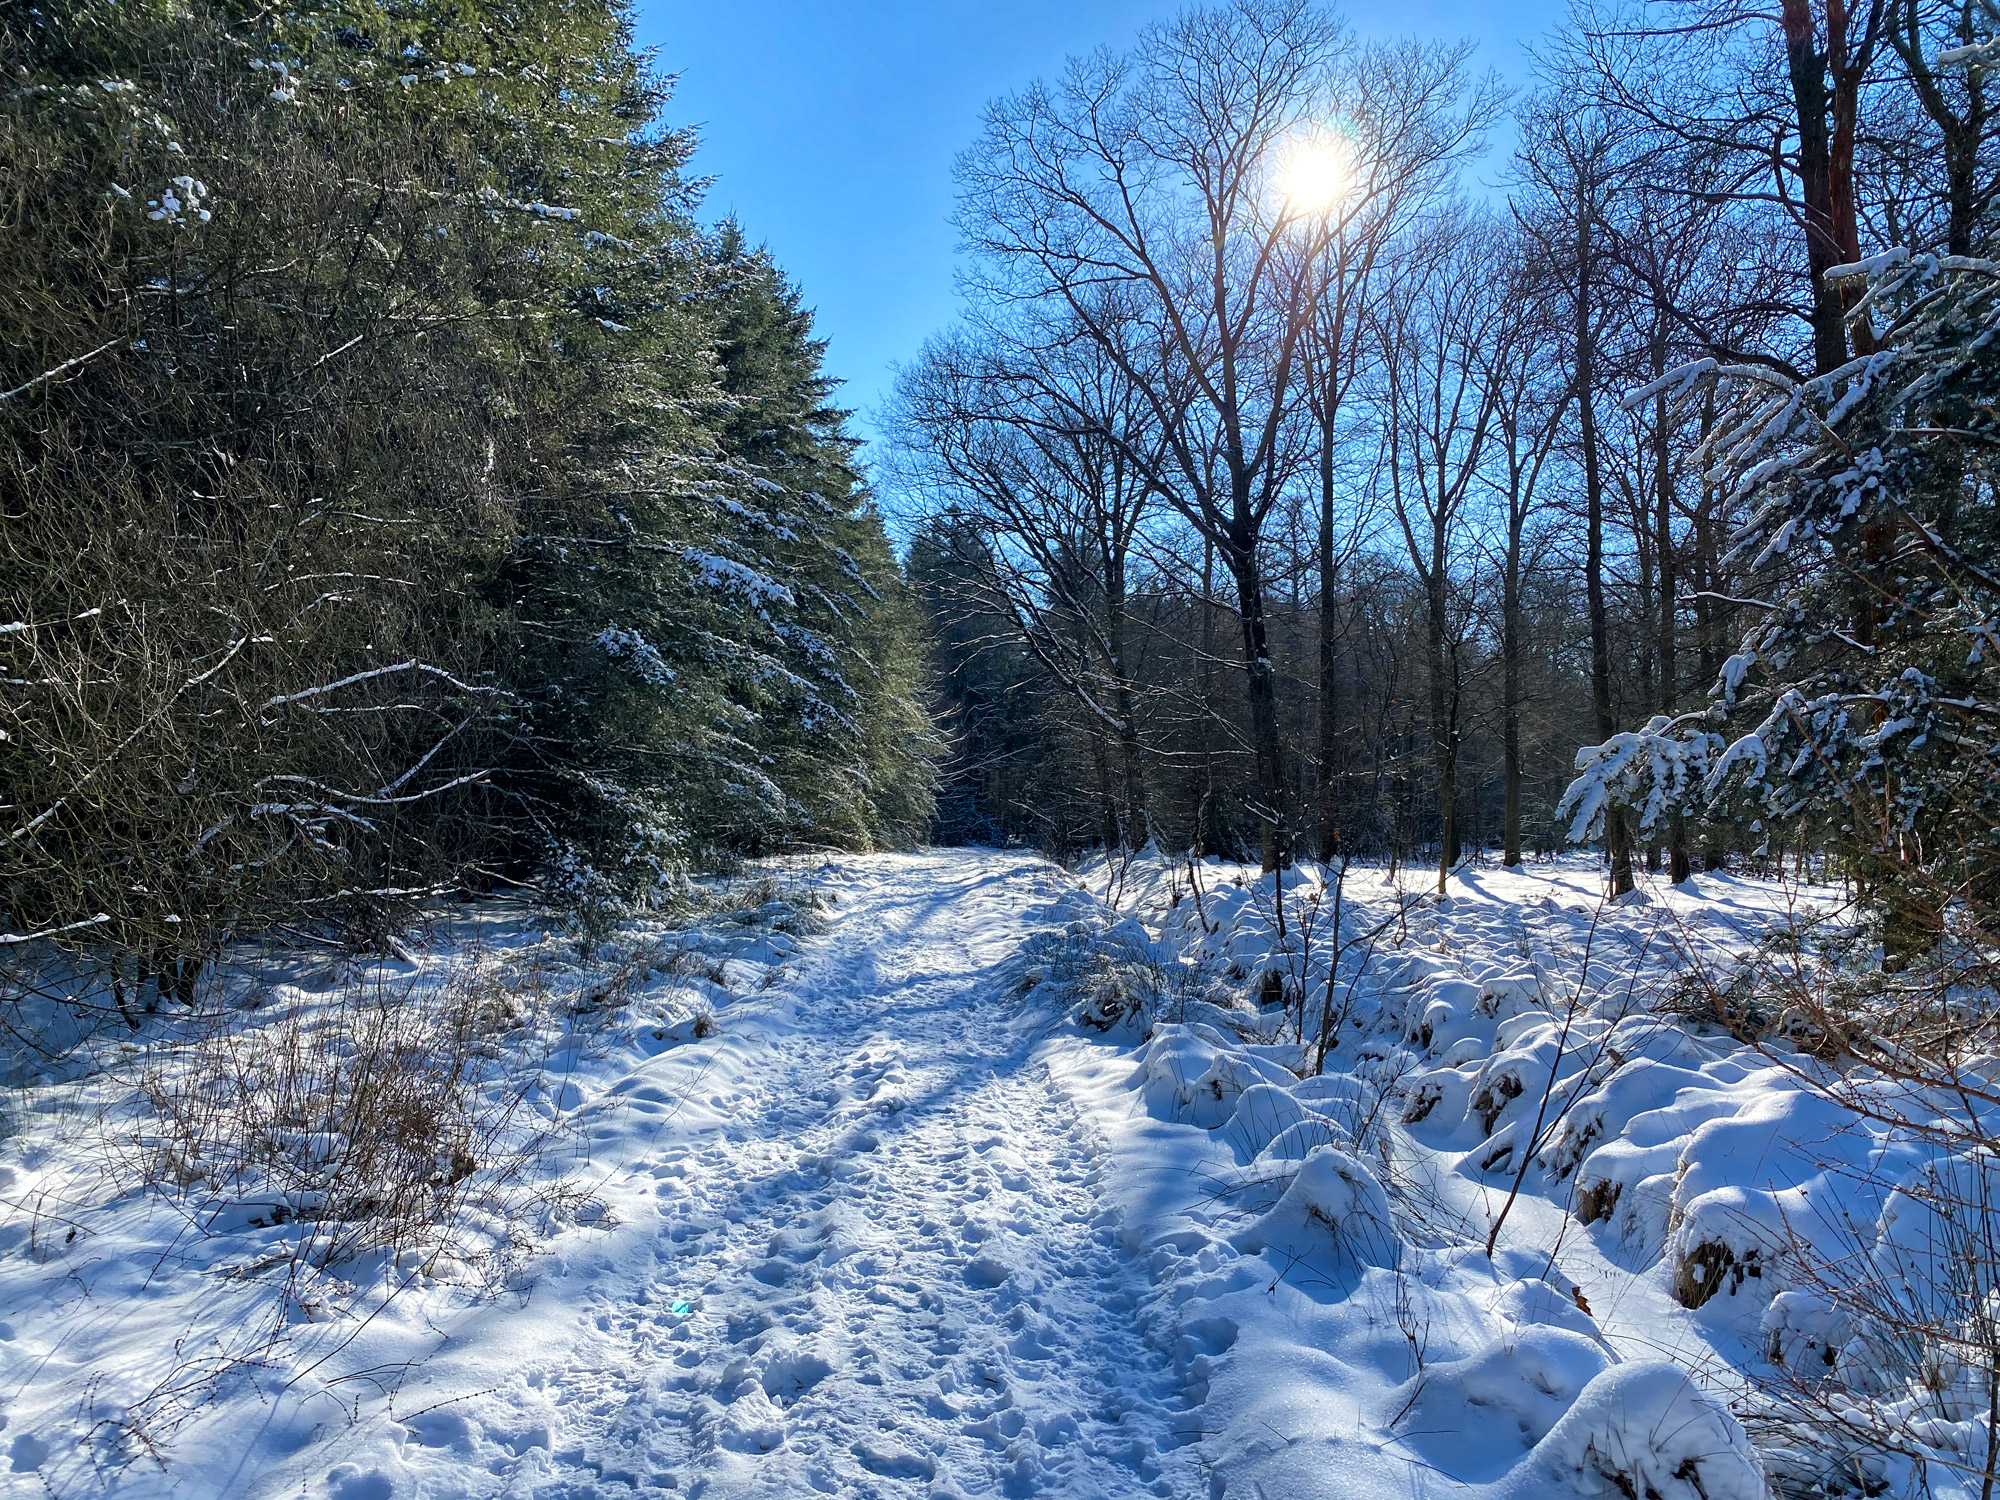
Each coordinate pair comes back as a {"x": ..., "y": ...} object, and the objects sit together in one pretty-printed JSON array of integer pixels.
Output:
[{"x": 1358, "y": 857}]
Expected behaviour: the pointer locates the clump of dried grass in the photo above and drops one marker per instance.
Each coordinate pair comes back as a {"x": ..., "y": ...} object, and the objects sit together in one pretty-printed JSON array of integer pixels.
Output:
[
  {"x": 401, "y": 1120},
  {"x": 782, "y": 899}
]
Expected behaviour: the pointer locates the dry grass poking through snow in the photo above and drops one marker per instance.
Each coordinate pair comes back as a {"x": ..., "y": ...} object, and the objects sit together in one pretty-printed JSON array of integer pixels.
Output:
[
  {"x": 241, "y": 1188},
  {"x": 391, "y": 1117},
  {"x": 319, "y": 1150}
]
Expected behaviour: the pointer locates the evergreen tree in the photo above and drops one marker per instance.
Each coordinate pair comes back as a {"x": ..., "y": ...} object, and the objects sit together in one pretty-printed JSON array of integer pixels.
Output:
[
  {"x": 402, "y": 490},
  {"x": 1863, "y": 704},
  {"x": 735, "y": 661}
]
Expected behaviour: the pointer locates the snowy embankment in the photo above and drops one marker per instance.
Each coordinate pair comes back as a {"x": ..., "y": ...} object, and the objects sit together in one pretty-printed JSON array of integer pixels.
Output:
[{"x": 1673, "y": 1207}]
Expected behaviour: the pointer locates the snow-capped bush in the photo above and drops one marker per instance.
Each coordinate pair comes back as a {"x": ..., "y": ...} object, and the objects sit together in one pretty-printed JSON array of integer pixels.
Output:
[
  {"x": 1193, "y": 1074},
  {"x": 1526, "y": 1381},
  {"x": 1788, "y": 1167},
  {"x": 1646, "y": 1430},
  {"x": 1264, "y": 1111},
  {"x": 1804, "y": 1333},
  {"x": 1334, "y": 1209},
  {"x": 1107, "y": 973}
]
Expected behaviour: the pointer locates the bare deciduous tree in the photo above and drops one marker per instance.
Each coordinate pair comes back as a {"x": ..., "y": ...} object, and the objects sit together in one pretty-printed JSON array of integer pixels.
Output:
[{"x": 1156, "y": 173}]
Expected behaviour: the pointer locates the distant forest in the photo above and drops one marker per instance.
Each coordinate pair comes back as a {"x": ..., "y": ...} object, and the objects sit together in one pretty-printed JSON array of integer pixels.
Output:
[{"x": 1306, "y": 479}]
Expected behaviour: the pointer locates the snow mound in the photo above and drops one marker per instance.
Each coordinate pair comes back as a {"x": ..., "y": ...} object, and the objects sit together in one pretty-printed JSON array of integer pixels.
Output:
[
  {"x": 1532, "y": 1301},
  {"x": 1263, "y": 1113},
  {"x": 1297, "y": 1142},
  {"x": 1193, "y": 1075},
  {"x": 1494, "y": 1406},
  {"x": 1333, "y": 1206},
  {"x": 1646, "y": 1429},
  {"x": 1789, "y": 1167}
]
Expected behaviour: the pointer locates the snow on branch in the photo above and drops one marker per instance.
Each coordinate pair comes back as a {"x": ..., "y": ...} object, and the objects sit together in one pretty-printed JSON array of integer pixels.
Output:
[
  {"x": 68, "y": 364},
  {"x": 402, "y": 666},
  {"x": 361, "y": 800},
  {"x": 730, "y": 576},
  {"x": 8, "y": 939},
  {"x": 1658, "y": 771}
]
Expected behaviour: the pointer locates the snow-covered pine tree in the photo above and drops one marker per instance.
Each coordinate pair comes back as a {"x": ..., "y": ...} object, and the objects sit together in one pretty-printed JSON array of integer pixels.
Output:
[
  {"x": 402, "y": 490},
  {"x": 731, "y": 660},
  {"x": 1863, "y": 702},
  {"x": 292, "y": 327},
  {"x": 846, "y": 735}
]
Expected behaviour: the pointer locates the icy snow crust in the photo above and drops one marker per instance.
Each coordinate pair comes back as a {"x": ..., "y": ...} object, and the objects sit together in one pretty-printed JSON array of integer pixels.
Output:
[{"x": 1005, "y": 1186}]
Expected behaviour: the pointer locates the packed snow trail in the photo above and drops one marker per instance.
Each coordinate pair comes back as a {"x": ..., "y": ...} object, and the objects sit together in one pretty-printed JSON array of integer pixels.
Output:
[{"x": 883, "y": 1270}]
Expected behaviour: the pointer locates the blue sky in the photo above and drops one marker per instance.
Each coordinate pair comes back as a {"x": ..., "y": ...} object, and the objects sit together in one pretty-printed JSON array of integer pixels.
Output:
[{"x": 830, "y": 129}]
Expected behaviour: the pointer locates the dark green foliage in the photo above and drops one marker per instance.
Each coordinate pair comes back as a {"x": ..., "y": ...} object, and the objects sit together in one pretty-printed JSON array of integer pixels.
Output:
[
  {"x": 400, "y": 489},
  {"x": 1017, "y": 769}
]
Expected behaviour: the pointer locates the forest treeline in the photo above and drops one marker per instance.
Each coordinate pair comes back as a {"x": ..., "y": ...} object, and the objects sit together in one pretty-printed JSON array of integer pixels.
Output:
[
  {"x": 1304, "y": 479},
  {"x": 403, "y": 493}
]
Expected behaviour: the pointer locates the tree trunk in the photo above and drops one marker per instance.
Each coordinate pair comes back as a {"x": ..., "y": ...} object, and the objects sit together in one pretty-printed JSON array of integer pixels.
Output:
[
  {"x": 1806, "y": 65},
  {"x": 1510, "y": 691},
  {"x": 1444, "y": 747},
  {"x": 1679, "y": 867},
  {"x": 1617, "y": 842},
  {"x": 1130, "y": 754},
  {"x": 1263, "y": 700},
  {"x": 1960, "y": 134},
  {"x": 1107, "y": 803},
  {"x": 1329, "y": 663},
  {"x": 1208, "y": 830},
  {"x": 1136, "y": 830},
  {"x": 1709, "y": 622}
]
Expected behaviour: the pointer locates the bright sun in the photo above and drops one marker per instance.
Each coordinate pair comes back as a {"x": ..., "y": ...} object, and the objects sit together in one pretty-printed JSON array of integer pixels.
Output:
[{"x": 1315, "y": 174}]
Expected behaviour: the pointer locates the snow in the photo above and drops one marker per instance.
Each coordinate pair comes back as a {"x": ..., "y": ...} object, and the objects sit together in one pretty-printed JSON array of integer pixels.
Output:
[
  {"x": 621, "y": 644},
  {"x": 851, "y": 1242},
  {"x": 996, "y": 1187},
  {"x": 1645, "y": 1429},
  {"x": 1333, "y": 1210},
  {"x": 730, "y": 576}
]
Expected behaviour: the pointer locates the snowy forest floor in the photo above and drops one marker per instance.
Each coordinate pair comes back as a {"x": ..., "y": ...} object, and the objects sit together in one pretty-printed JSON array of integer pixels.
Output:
[{"x": 863, "y": 1212}]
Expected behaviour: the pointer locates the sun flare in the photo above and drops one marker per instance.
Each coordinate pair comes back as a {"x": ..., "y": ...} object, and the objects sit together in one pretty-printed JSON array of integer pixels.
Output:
[{"x": 1315, "y": 174}]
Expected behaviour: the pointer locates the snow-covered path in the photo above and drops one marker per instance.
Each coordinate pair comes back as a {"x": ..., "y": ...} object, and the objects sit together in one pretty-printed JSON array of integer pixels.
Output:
[
  {"x": 879, "y": 1271},
  {"x": 866, "y": 1214}
]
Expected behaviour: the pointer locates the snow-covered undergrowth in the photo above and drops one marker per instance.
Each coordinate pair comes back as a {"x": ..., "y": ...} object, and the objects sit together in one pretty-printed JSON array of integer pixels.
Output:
[
  {"x": 1690, "y": 1235},
  {"x": 966, "y": 1177},
  {"x": 276, "y": 1199}
]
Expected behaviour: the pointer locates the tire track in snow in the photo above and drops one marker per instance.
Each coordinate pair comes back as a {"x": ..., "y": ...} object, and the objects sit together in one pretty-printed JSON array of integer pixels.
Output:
[{"x": 888, "y": 1275}]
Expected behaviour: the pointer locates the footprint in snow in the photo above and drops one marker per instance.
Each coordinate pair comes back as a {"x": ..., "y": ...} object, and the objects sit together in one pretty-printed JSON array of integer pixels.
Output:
[{"x": 987, "y": 1271}]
